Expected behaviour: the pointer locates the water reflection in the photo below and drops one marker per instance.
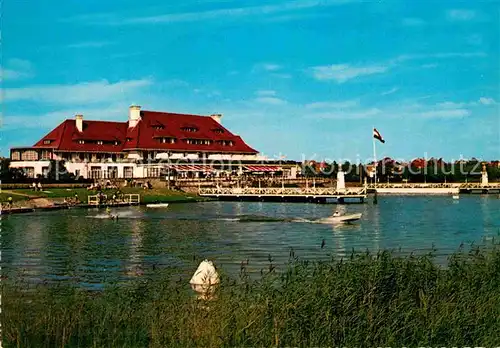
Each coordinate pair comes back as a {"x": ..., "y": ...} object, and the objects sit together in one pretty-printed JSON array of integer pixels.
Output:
[
  {"x": 78, "y": 246},
  {"x": 135, "y": 266}
]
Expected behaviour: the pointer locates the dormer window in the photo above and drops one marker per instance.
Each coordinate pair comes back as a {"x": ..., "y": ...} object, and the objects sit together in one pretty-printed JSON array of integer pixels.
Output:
[
  {"x": 218, "y": 130},
  {"x": 158, "y": 127},
  {"x": 81, "y": 142},
  {"x": 99, "y": 142},
  {"x": 189, "y": 129},
  {"x": 129, "y": 139},
  {"x": 116, "y": 143},
  {"x": 225, "y": 142},
  {"x": 198, "y": 141},
  {"x": 47, "y": 142}
]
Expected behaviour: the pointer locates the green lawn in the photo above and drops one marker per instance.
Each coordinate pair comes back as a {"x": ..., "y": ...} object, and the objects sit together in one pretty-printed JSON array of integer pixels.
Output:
[
  {"x": 4, "y": 196},
  {"x": 158, "y": 195}
]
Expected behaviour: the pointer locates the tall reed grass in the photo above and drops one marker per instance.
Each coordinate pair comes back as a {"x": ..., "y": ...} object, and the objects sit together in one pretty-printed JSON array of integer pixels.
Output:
[{"x": 367, "y": 300}]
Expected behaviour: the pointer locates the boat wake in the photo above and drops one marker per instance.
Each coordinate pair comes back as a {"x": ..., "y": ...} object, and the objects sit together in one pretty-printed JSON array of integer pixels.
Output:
[
  {"x": 117, "y": 214},
  {"x": 253, "y": 218},
  {"x": 261, "y": 218}
]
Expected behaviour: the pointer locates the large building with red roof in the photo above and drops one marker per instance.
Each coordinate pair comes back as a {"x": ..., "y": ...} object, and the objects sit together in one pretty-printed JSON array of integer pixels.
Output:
[{"x": 145, "y": 146}]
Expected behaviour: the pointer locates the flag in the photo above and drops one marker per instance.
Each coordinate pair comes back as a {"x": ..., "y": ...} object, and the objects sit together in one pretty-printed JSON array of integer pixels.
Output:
[{"x": 377, "y": 135}]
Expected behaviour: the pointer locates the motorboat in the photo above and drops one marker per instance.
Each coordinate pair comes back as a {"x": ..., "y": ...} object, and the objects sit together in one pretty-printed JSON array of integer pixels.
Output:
[
  {"x": 157, "y": 205},
  {"x": 337, "y": 217}
]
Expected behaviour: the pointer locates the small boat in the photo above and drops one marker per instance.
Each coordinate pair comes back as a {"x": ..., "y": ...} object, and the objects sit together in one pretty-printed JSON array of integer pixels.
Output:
[
  {"x": 456, "y": 197},
  {"x": 339, "y": 218},
  {"x": 157, "y": 205}
]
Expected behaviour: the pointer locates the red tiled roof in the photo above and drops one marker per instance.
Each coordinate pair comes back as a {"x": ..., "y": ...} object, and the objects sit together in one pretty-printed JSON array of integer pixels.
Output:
[
  {"x": 65, "y": 137},
  {"x": 144, "y": 136}
]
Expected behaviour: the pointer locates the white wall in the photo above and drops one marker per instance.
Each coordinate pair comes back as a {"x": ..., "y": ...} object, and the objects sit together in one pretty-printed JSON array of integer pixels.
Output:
[{"x": 37, "y": 165}]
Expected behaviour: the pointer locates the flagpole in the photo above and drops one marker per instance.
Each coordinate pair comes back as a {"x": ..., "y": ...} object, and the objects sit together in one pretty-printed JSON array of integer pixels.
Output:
[{"x": 374, "y": 155}]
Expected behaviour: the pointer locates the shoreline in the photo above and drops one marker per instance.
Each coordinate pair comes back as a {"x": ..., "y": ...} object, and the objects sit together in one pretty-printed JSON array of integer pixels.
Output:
[{"x": 23, "y": 210}]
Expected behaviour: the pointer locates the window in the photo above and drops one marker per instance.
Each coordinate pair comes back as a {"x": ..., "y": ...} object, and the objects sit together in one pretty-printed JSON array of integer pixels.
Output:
[
  {"x": 47, "y": 142},
  {"x": 128, "y": 172},
  {"x": 99, "y": 142},
  {"x": 116, "y": 142},
  {"x": 158, "y": 127},
  {"x": 95, "y": 173},
  {"x": 46, "y": 155},
  {"x": 166, "y": 140},
  {"x": 225, "y": 142},
  {"x": 29, "y": 155},
  {"x": 81, "y": 142},
  {"x": 198, "y": 141},
  {"x": 129, "y": 139},
  {"x": 189, "y": 129},
  {"x": 152, "y": 172},
  {"x": 29, "y": 171},
  {"x": 218, "y": 130},
  {"x": 15, "y": 156},
  {"x": 112, "y": 172},
  {"x": 45, "y": 171}
]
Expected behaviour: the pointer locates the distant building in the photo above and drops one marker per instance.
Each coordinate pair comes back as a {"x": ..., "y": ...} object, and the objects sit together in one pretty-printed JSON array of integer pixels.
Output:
[{"x": 149, "y": 144}]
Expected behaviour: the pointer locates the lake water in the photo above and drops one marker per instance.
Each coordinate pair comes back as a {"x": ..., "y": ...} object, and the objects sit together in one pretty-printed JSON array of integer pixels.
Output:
[{"x": 82, "y": 247}]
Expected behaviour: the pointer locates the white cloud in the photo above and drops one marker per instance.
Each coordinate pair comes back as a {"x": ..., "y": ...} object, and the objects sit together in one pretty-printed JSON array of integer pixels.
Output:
[
  {"x": 413, "y": 22},
  {"x": 49, "y": 120},
  {"x": 452, "y": 113},
  {"x": 487, "y": 101},
  {"x": 359, "y": 114},
  {"x": 16, "y": 69},
  {"x": 333, "y": 105},
  {"x": 391, "y": 91},
  {"x": 270, "y": 101},
  {"x": 264, "y": 93},
  {"x": 227, "y": 13},
  {"x": 271, "y": 67},
  {"x": 87, "y": 92},
  {"x": 90, "y": 44},
  {"x": 344, "y": 72},
  {"x": 282, "y": 76},
  {"x": 451, "y": 105},
  {"x": 460, "y": 15},
  {"x": 474, "y": 39},
  {"x": 408, "y": 57}
]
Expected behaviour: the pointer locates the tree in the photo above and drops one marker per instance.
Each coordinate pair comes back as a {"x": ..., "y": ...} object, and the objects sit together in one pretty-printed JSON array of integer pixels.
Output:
[{"x": 58, "y": 172}]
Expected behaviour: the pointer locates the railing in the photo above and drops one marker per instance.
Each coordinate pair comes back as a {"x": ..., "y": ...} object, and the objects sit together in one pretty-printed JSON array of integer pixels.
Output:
[
  {"x": 132, "y": 198},
  {"x": 449, "y": 185},
  {"x": 275, "y": 191},
  {"x": 96, "y": 199}
]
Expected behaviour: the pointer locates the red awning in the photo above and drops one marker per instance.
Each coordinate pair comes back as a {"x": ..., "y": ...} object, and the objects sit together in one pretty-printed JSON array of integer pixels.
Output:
[
  {"x": 190, "y": 168},
  {"x": 263, "y": 168}
]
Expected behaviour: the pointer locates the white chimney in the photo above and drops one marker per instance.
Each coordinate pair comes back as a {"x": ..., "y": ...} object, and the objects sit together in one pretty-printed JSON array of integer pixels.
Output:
[
  {"x": 134, "y": 115},
  {"x": 216, "y": 117},
  {"x": 79, "y": 122}
]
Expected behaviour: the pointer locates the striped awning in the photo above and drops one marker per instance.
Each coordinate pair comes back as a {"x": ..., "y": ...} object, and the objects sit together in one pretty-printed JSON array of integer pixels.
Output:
[
  {"x": 263, "y": 168},
  {"x": 190, "y": 168}
]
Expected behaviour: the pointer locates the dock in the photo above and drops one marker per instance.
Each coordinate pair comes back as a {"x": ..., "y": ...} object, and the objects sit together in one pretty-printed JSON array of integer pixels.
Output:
[
  {"x": 286, "y": 194},
  {"x": 435, "y": 189}
]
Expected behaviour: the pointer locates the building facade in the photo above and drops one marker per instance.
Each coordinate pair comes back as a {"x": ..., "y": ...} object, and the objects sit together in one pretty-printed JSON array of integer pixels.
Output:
[{"x": 148, "y": 145}]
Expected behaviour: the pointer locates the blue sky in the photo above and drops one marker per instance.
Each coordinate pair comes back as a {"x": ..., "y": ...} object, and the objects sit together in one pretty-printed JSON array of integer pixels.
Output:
[{"x": 301, "y": 78}]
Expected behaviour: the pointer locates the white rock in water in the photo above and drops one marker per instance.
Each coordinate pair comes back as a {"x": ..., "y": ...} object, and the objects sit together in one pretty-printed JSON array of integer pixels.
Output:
[{"x": 205, "y": 275}]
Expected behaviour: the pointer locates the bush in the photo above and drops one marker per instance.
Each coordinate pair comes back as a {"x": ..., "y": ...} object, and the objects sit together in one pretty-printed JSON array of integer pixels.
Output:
[{"x": 368, "y": 300}]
